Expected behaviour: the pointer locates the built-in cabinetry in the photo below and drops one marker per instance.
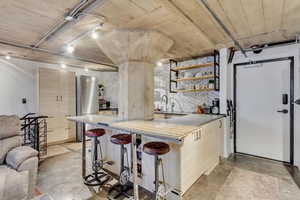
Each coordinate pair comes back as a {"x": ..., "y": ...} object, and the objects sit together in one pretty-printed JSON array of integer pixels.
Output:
[
  {"x": 199, "y": 153},
  {"x": 57, "y": 100}
]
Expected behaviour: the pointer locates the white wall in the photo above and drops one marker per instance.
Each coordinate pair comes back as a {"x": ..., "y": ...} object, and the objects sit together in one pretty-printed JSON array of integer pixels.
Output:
[
  {"x": 285, "y": 51},
  {"x": 18, "y": 79},
  {"x": 224, "y": 96}
]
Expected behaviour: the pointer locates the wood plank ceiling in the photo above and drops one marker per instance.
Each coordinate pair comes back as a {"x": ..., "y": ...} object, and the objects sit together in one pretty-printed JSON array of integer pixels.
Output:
[{"x": 187, "y": 22}]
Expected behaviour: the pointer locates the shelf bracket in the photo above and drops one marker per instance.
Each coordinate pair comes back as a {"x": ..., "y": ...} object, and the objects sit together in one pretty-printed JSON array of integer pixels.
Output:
[{"x": 172, "y": 62}]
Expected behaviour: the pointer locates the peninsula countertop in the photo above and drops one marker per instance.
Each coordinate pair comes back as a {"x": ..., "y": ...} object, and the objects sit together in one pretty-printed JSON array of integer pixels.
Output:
[{"x": 174, "y": 126}]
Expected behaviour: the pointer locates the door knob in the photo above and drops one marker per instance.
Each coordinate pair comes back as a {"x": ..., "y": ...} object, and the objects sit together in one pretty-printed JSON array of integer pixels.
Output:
[{"x": 284, "y": 111}]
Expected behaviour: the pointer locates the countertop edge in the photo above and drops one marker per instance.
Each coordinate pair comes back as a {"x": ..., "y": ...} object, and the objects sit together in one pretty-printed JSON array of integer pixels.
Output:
[{"x": 146, "y": 133}]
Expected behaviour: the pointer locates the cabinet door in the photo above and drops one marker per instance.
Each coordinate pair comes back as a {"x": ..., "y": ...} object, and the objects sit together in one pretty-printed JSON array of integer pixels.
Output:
[
  {"x": 68, "y": 102},
  {"x": 49, "y": 101},
  {"x": 48, "y": 96},
  {"x": 212, "y": 138},
  {"x": 57, "y": 100}
]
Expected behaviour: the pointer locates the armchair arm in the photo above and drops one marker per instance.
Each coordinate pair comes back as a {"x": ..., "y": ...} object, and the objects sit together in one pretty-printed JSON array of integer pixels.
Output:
[{"x": 18, "y": 155}]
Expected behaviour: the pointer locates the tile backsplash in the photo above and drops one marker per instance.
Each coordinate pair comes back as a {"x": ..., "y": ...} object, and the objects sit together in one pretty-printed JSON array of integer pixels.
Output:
[{"x": 183, "y": 102}]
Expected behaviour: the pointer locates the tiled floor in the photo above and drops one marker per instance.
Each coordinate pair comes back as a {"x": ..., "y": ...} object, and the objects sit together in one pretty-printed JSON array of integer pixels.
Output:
[{"x": 237, "y": 178}]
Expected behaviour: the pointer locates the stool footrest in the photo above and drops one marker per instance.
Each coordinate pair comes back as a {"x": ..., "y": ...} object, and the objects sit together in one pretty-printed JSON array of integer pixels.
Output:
[
  {"x": 121, "y": 190},
  {"x": 96, "y": 179}
]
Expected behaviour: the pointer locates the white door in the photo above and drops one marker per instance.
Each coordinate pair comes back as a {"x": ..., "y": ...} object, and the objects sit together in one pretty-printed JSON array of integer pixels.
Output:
[{"x": 260, "y": 129}]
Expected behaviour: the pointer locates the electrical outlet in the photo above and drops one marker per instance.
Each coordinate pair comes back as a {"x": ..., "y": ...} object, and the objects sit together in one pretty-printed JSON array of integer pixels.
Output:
[
  {"x": 199, "y": 134},
  {"x": 195, "y": 135}
]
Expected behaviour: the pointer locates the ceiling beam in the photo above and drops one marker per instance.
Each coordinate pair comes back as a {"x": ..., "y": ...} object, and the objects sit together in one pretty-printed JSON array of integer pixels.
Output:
[
  {"x": 53, "y": 53},
  {"x": 170, "y": 5}
]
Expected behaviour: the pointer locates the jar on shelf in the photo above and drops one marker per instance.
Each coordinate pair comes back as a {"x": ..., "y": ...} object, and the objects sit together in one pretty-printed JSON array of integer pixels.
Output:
[{"x": 211, "y": 84}]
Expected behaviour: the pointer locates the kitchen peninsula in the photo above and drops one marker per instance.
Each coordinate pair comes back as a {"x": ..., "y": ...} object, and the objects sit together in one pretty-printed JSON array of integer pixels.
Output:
[{"x": 195, "y": 141}]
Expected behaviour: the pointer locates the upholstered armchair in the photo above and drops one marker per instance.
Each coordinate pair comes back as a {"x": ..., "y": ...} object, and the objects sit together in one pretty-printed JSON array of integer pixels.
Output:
[{"x": 18, "y": 164}]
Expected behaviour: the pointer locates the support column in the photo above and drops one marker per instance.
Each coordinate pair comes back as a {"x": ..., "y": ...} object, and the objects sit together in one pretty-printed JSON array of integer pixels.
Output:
[
  {"x": 136, "y": 86},
  {"x": 136, "y": 53}
]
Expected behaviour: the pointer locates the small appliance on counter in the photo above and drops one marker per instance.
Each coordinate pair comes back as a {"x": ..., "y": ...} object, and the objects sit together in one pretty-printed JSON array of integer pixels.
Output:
[
  {"x": 215, "y": 108},
  {"x": 207, "y": 109},
  {"x": 103, "y": 104},
  {"x": 203, "y": 109}
]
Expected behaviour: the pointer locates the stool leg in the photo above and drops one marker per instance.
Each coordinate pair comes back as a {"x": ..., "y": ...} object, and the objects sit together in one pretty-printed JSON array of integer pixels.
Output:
[
  {"x": 98, "y": 156},
  {"x": 156, "y": 164},
  {"x": 122, "y": 158},
  {"x": 100, "y": 150},
  {"x": 92, "y": 152},
  {"x": 122, "y": 189},
  {"x": 97, "y": 177}
]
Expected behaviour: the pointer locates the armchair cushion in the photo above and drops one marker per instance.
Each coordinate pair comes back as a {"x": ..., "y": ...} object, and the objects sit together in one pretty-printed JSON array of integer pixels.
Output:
[
  {"x": 13, "y": 185},
  {"x": 18, "y": 155}
]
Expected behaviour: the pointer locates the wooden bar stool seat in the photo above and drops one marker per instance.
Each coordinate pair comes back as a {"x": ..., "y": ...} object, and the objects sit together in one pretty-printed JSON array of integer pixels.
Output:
[
  {"x": 156, "y": 148},
  {"x": 121, "y": 139},
  {"x": 98, "y": 132}
]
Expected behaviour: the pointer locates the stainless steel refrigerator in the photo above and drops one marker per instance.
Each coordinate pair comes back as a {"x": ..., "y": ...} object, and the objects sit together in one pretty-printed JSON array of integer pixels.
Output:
[{"x": 87, "y": 99}]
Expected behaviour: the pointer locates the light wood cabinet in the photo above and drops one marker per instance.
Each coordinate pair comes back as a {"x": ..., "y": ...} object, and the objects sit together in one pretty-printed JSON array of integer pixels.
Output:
[
  {"x": 198, "y": 154},
  {"x": 57, "y": 99}
]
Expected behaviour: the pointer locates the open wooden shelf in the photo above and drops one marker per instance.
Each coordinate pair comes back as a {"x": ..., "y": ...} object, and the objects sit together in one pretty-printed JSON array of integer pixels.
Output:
[
  {"x": 175, "y": 70},
  {"x": 196, "y": 78},
  {"x": 211, "y": 64},
  {"x": 196, "y": 90}
]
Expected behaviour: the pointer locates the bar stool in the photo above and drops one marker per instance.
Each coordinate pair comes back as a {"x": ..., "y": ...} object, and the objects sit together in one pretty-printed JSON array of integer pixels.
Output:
[
  {"x": 97, "y": 177},
  {"x": 156, "y": 149},
  {"x": 123, "y": 186}
]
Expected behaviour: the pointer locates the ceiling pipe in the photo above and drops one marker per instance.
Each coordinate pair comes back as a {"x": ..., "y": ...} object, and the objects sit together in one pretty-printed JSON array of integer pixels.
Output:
[
  {"x": 70, "y": 18},
  {"x": 76, "y": 9},
  {"x": 58, "y": 63},
  {"x": 272, "y": 45},
  {"x": 67, "y": 18},
  {"x": 49, "y": 33},
  {"x": 218, "y": 20},
  {"x": 13, "y": 44}
]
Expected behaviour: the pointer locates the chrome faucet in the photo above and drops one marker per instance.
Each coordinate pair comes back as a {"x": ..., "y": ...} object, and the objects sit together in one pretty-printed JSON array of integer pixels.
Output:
[
  {"x": 174, "y": 102},
  {"x": 164, "y": 98}
]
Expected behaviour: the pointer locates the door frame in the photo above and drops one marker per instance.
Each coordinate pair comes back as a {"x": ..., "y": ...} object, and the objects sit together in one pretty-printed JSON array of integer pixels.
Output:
[{"x": 291, "y": 99}]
